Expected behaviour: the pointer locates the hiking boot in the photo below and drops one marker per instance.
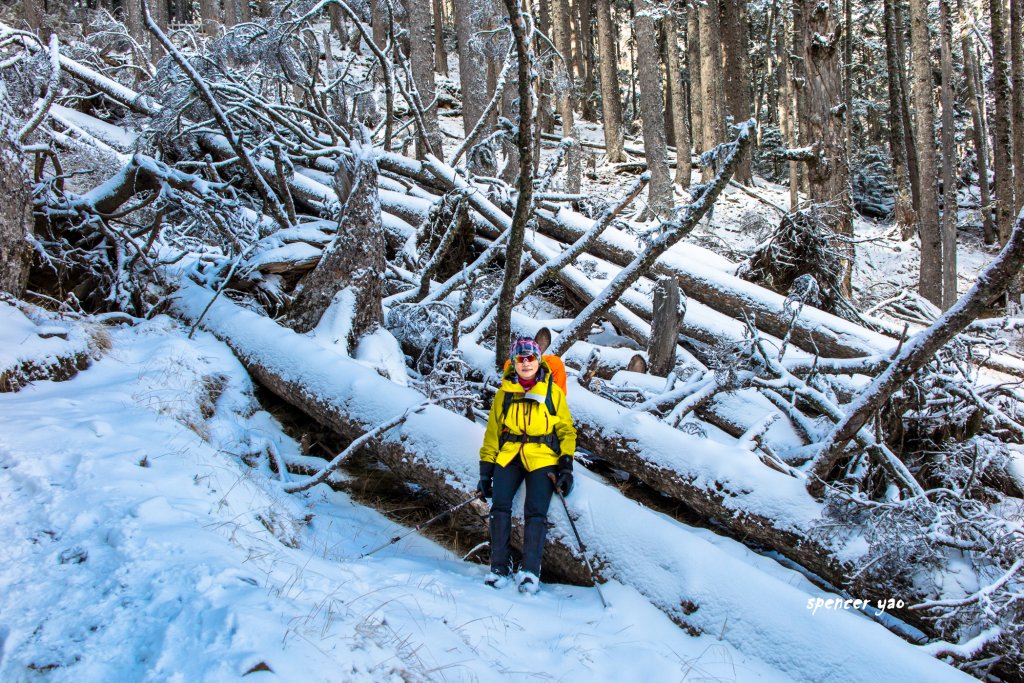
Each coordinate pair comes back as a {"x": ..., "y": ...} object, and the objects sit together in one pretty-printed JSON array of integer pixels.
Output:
[
  {"x": 495, "y": 580},
  {"x": 528, "y": 583}
]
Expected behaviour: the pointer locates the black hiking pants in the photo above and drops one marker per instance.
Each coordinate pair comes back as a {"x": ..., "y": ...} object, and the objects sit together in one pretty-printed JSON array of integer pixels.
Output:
[{"x": 538, "y": 497}]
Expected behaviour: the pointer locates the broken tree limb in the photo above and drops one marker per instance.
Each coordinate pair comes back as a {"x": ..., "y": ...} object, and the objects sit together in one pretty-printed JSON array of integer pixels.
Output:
[
  {"x": 323, "y": 474},
  {"x": 555, "y": 267},
  {"x": 708, "y": 281},
  {"x": 567, "y": 256},
  {"x": 815, "y": 331},
  {"x": 918, "y": 351},
  {"x": 42, "y": 107}
]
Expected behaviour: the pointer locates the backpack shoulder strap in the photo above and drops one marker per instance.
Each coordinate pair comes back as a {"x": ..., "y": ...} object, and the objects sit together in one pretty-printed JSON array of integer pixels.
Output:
[{"x": 505, "y": 404}]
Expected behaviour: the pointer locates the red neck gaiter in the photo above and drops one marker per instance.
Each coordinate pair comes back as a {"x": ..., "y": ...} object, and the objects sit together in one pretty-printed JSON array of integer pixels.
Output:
[{"x": 528, "y": 384}]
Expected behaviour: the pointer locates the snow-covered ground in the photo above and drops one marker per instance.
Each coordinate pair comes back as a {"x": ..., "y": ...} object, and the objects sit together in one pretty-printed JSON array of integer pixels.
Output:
[{"x": 139, "y": 546}]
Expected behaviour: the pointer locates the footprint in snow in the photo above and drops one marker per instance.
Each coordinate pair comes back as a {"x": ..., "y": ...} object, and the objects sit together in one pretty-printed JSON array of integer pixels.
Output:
[{"x": 101, "y": 428}]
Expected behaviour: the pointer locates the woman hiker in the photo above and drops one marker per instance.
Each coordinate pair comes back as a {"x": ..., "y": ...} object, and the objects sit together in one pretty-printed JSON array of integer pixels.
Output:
[{"x": 529, "y": 436}]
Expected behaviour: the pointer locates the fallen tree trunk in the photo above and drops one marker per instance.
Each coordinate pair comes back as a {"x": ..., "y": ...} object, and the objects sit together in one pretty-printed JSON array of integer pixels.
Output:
[
  {"x": 703, "y": 280},
  {"x": 728, "y": 484},
  {"x": 816, "y": 332},
  {"x": 438, "y": 450}
]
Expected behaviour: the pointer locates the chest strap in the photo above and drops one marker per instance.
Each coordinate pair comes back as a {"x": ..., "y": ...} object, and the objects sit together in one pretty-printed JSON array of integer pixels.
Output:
[{"x": 550, "y": 440}]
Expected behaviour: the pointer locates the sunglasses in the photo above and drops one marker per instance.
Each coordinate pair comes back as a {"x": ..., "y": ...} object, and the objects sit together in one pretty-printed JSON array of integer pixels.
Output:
[{"x": 526, "y": 359}]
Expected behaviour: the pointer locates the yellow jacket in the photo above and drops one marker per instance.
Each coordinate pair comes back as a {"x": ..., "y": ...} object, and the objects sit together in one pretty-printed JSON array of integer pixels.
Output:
[{"x": 528, "y": 414}]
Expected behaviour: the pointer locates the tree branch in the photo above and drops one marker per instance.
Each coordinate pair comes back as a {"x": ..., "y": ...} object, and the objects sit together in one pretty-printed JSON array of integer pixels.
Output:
[
  {"x": 917, "y": 352},
  {"x": 266, "y": 193}
]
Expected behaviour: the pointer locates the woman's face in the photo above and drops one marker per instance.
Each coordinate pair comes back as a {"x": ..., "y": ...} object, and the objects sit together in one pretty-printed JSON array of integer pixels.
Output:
[{"x": 527, "y": 366}]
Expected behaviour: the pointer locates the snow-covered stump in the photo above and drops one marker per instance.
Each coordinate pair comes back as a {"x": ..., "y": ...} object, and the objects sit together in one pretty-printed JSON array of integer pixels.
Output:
[{"x": 354, "y": 262}]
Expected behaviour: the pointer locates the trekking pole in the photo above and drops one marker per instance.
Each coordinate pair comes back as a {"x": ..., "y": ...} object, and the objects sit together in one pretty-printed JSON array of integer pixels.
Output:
[
  {"x": 583, "y": 548},
  {"x": 424, "y": 525}
]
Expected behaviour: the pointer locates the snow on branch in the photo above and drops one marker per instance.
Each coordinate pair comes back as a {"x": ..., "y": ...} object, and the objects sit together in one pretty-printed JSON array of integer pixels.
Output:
[
  {"x": 270, "y": 199},
  {"x": 682, "y": 222},
  {"x": 52, "y": 88}
]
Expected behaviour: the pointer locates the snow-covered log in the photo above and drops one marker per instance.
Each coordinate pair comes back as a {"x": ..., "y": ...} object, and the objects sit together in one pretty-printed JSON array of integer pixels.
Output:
[
  {"x": 434, "y": 448},
  {"x": 40, "y": 346},
  {"x": 757, "y": 612},
  {"x": 701, "y": 279}
]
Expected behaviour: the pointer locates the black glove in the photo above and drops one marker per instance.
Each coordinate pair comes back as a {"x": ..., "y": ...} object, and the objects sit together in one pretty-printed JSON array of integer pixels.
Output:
[
  {"x": 484, "y": 487},
  {"x": 563, "y": 482}
]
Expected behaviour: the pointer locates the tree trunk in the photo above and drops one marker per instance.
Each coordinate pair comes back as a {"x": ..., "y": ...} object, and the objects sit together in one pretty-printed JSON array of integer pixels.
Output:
[
  {"x": 230, "y": 13},
  {"x": 979, "y": 126},
  {"x": 469, "y": 21},
  {"x": 908, "y": 128},
  {"x": 739, "y": 94},
  {"x": 821, "y": 121},
  {"x": 674, "y": 72},
  {"x": 787, "y": 103},
  {"x": 693, "y": 69},
  {"x": 652, "y": 108},
  {"x": 563, "y": 68},
  {"x": 949, "y": 160},
  {"x": 1002, "y": 143},
  {"x": 209, "y": 14},
  {"x": 930, "y": 280},
  {"x": 440, "y": 51},
  {"x": 16, "y": 222},
  {"x": 32, "y": 13},
  {"x": 611, "y": 100},
  {"x": 421, "y": 56},
  {"x": 161, "y": 17},
  {"x": 354, "y": 262},
  {"x": 661, "y": 351},
  {"x": 1017, "y": 79},
  {"x": 380, "y": 21},
  {"x": 586, "y": 10},
  {"x": 979, "y": 129},
  {"x": 903, "y": 212},
  {"x": 524, "y": 203},
  {"x": 712, "y": 106}
]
